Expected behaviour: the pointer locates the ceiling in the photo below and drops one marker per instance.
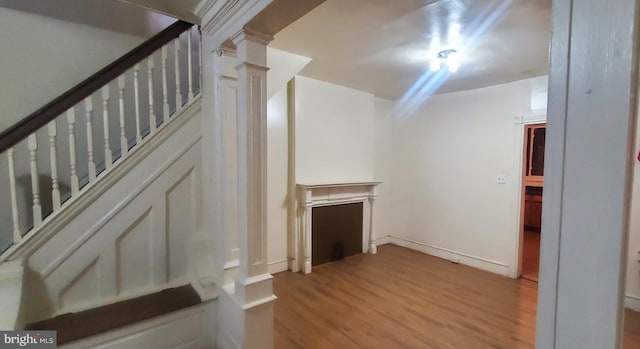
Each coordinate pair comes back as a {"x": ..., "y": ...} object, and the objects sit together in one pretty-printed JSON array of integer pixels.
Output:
[
  {"x": 275, "y": 16},
  {"x": 109, "y": 15},
  {"x": 182, "y": 9},
  {"x": 280, "y": 13},
  {"x": 383, "y": 46}
]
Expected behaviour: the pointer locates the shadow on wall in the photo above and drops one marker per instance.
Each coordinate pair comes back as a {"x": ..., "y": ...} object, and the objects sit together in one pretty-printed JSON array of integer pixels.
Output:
[{"x": 39, "y": 305}]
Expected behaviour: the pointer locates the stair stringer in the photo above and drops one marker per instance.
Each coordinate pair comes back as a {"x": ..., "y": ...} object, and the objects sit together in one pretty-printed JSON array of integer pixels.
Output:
[{"x": 135, "y": 237}]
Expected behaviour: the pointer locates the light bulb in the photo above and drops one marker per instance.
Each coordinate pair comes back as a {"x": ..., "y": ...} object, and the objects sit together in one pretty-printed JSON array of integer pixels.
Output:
[{"x": 453, "y": 61}]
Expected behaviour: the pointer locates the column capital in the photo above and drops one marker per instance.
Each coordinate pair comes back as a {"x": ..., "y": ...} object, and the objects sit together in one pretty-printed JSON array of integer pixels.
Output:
[
  {"x": 224, "y": 51},
  {"x": 249, "y": 34},
  {"x": 253, "y": 67}
]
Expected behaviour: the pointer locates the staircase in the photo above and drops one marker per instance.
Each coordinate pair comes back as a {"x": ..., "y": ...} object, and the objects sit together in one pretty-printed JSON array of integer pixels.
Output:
[
  {"x": 134, "y": 211},
  {"x": 102, "y": 205},
  {"x": 66, "y": 147}
]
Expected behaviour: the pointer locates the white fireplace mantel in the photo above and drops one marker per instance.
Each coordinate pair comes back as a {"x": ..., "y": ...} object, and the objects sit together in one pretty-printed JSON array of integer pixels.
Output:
[{"x": 309, "y": 196}]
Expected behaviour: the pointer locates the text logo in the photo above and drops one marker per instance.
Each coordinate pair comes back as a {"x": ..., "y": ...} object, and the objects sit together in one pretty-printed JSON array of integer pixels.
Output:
[{"x": 28, "y": 339}]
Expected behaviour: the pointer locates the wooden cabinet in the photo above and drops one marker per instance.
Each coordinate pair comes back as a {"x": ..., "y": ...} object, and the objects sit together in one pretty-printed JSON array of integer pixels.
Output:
[
  {"x": 534, "y": 155},
  {"x": 533, "y": 208},
  {"x": 534, "y": 175}
]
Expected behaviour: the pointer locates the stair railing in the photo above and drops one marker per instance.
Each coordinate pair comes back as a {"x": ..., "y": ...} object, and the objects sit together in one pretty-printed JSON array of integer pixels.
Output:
[{"x": 52, "y": 155}]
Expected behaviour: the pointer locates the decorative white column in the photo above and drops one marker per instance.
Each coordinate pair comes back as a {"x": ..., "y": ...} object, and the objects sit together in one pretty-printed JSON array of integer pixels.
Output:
[
  {"x": 226, "y": 154},
  {"x": 229, "y": 241},
  {"x": 207, "y": 244},
  {"x": 306, "y": 237},
  {"x": 373, "y": 249},
  {"x": 246, "y": 309}
]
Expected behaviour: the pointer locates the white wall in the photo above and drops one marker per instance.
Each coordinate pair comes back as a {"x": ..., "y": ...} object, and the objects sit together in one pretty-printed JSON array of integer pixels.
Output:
[
  {"x": 633, "y": 264},
  {"x": 334, "y": 133},
  {"x": 384, "y": 223},
  {"x": 438, "y": 167},
  {"x": 334, "y": 142},
  {"x": 42, "y": 57},
  {"x": 283, "y": 66},
  {"x": 446, "y": 156},
  {"x": 277, "y": 145}
]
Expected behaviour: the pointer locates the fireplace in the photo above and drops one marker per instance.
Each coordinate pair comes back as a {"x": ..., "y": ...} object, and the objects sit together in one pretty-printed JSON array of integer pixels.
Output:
[
  {"x": 337, "y": 232},
  {"x": 311, "y": 196}
]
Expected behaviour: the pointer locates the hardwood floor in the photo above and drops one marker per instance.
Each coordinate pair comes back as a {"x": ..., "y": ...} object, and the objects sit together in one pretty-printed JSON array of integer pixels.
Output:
[
  {"x": 530, "y": 255},
  {"x": 401, "y": 298}
]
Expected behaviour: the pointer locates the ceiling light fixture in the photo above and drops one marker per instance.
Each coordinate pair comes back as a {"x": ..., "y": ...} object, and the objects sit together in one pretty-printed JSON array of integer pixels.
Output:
[{"x": 449, "y": 58}]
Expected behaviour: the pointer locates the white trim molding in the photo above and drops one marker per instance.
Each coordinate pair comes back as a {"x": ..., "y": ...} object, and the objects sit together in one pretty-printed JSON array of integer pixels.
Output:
[
  {"x": 383, "y": 240},
  {"x": 520, "y": 123},
  {"x": 632, "y": 302},
  {"x": 453, "y": 256},
  {"x": 318, "y": 195},
  {"x": 222, "y": 19},
  {"x": 530, "y": 119},
  {"x": 278, "y": 266}
]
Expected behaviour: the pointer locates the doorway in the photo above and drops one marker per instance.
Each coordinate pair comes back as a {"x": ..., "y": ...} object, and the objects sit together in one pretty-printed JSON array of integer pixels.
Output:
[{"x": 533, "y": 189}]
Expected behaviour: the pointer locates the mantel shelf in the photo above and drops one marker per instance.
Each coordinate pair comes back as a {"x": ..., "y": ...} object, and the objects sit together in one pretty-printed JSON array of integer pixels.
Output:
[{"x": 340, "y": 184}]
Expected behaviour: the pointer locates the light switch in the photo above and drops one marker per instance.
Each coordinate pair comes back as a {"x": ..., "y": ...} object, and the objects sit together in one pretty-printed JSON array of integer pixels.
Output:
[{"x": 502, "y": 179}]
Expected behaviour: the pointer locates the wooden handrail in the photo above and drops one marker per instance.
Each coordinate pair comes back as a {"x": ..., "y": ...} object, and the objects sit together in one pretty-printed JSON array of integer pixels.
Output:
[{"x": 30, "y": 124}]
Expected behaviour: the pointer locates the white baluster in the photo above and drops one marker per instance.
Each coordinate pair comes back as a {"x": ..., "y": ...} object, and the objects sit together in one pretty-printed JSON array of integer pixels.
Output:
[
  {"x": 124, "y": 145},
  {"x": 88, "y": 105},
  {"x": 177, "y": 65},
  {"x": 71, "y": 121},
  {"x": 53, "y": 157},
  {"x": 108, "y": 155},
  {"x": 152, "y": 115},
  {"x": 189, "y": 68},
  {"x": 136, "y": 73},
  {"x": 17, "y": 236},
  {"x": 165, "y": 100},
  {"x": 32, "y": 144}
]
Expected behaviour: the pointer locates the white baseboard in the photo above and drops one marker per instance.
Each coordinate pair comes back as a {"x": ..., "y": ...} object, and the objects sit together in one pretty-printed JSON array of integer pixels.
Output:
[
  {"x": 278, "y": 266},
  {"x": 632, "y": 302},
  {"x": 454, "y": 256},
  {"x": 383, "y": 240}
]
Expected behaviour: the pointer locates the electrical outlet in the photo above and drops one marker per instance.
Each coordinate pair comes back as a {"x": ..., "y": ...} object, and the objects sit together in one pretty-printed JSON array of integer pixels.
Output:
[{"x": 502, "y": 179}]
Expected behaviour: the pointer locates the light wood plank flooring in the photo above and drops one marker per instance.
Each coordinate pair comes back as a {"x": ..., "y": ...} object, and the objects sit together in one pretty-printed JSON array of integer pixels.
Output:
[
  {"x": 530, "y": 255},
  {"x": 401, "y": 298}
]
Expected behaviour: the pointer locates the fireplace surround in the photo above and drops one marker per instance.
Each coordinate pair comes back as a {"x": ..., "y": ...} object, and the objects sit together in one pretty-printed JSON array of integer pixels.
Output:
[{"x": 309, "y": 196}]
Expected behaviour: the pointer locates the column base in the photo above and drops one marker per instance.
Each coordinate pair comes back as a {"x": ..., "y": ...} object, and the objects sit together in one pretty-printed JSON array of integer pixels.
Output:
[
  {"x": 373, "y": 249},
  {"x": 307, "y": 266},
  {"x": 293, "y": 265},
  {"x": 245, "y": 324}
]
